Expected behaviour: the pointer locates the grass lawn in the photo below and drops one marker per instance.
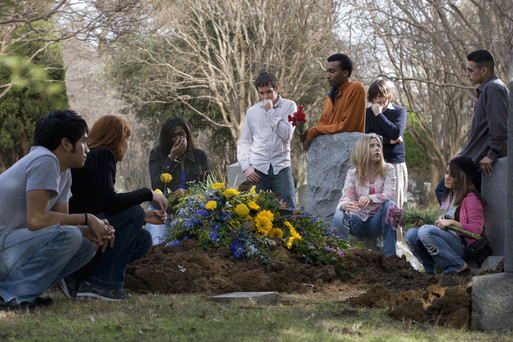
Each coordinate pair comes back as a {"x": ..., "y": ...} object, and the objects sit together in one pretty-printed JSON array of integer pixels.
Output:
[{"x": 195, "y": 318}]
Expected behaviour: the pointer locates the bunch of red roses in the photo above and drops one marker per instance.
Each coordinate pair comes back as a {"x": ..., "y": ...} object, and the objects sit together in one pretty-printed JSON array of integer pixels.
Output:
[{"x": 298, "y": 118}]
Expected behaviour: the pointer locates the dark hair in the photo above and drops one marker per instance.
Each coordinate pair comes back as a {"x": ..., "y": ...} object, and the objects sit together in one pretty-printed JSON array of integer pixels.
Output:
[
  {"x": 110, "y": 131},
  {"x": 482, "y": 58},
  {"x": 266, "y": 79},
  {"x": 57, "y": 125},
  {"x": 344, "y": 60},
  {"x": 379, "y": 88},
  {"x": 462, "y": 185},
  {"x": 167, "y": 134}
]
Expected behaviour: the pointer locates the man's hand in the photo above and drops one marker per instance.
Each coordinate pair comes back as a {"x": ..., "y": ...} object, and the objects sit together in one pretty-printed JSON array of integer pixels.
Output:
[
  {"x": 396, "y": 141},
  {"x": 155, "y": 216},
  {"x": 302, "y": 135},
  {"x": 268, "y": 104},
  {"x": 160, "y": 200},
  {"x": 306, "y": 144},
  {"x": 178, "y": 148},
  {"x": 251, "y": 174},
  {"x": 486, "y": 166},
  {"x": 103, "y": 232},
  {"x": 179, "y": 193},
  {"x": 377, "y": 109}
]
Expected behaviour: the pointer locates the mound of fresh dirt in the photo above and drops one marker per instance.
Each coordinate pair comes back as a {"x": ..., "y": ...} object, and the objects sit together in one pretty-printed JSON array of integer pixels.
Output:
[{"x": 383, "y": 282}]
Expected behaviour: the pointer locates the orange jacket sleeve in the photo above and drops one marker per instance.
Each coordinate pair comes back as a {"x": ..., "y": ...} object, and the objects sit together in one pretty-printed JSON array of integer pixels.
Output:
[{"x": 346, "y": 115}]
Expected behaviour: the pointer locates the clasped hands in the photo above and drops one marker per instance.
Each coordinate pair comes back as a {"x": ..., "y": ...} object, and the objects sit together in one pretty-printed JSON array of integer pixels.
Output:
[{"x": 99, "y": 232}]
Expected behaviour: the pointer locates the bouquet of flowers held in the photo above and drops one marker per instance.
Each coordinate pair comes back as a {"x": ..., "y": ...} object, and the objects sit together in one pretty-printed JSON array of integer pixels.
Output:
[
  {"x": 409, "y": 217},
  {"x": 298, "y": 119},
  {"x": 252, "y": 225}
]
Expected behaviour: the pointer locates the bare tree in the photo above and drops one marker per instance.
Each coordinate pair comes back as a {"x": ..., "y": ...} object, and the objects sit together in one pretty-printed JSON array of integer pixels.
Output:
[
  {"x": 49, "y": 22},
  {"x": 421, "y": 46},
  {"x": 212, "y": 50}
]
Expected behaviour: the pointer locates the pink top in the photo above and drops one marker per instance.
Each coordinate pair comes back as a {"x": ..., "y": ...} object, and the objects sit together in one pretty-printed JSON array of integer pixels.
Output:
[
  {"x": 379, "y": 192},
  {"x": 471, "y": 214}
]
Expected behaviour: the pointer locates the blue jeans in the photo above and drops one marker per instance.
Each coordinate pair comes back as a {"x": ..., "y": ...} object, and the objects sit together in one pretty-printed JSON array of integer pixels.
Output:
[
  {"x": 283, "y": 182},
  {"x": 432, "y": 245},
  {"x": 31, "y": 261},
  {"x": 373, "y": 227},
  {"x": 107, "y": 270}
]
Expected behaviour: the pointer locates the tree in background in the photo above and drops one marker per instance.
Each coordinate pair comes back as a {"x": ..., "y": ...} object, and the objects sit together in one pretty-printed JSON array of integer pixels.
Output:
[
  {"x": 31, "y": 67},
  {"x": 422, "y": 46},
  {"x": 202, "y": 61}
]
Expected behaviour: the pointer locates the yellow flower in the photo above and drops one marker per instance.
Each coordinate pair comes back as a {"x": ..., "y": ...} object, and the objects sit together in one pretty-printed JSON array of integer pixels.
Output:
[
  {"x": 252, "y": 190},
  {"x": 267, "y": 214},
  {"x": 166, "y": 178},
  {"x": 264, "y": 222},
  {"x": 253, "y": 205},
  {"x": 293, "y": 233},
  {"x": 158, "y": 191},
  {"x": 289, "y": 242},
  {"x": 276, "y": 232},
  {"x": 218, "y": 186},
  {"x": 211, "y": 205},
  {"x": 242, "y": 210},
  {"x": 229, "y": 193}
]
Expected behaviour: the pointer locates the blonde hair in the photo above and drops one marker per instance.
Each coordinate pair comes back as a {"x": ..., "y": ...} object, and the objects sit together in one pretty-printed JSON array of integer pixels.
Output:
[{"x": 360, "y": 157}]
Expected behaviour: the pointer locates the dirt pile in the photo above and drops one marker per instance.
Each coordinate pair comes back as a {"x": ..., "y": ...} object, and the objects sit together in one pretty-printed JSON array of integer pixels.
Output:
[{"x": 381, "y": 282}]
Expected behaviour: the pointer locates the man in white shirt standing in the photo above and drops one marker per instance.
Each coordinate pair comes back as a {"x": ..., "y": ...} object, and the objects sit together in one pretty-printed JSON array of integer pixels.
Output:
[{"x": 263, "y": 151}]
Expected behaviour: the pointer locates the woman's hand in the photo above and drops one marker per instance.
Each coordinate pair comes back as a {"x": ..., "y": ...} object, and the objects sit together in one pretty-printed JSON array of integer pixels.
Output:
[
  {"x": 160, "y": 200},
  {"x": 155, "y": 216},
  {"x": 349, "y": 206},
  {"x": 178, "y": 148},
  {"x": 364, "y": 201},
  {"x": 181, "y": 192},
  {"x": 443, "y": 223}
]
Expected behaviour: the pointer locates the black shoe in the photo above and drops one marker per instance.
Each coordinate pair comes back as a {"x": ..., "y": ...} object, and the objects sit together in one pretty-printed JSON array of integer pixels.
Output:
[
  {"x": 90, "y": 291},
  {"x": 69, "y": 287},
  {"x": 465, "y": 272},
  {"x": 13, "y": 304}
]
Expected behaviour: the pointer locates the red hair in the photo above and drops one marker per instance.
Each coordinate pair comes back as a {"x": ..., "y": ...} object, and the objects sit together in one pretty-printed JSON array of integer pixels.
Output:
[{"x": 110, "y": 131}]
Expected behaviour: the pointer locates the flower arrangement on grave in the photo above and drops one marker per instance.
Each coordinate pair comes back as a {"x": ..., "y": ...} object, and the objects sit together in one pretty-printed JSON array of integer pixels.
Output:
[
  {"x": 166, "y": 178},
  {"x": 253, "y": 224},
  {"x": 410, "y": 217},
  {"x": 298, "y": 119}
]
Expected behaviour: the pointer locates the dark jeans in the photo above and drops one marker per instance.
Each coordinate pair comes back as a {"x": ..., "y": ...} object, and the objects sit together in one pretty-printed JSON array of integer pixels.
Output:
[
  {"x": 476, "y": 180},
  {"x": 107, "y": 270},
  {"x": 283, "y": 183}
]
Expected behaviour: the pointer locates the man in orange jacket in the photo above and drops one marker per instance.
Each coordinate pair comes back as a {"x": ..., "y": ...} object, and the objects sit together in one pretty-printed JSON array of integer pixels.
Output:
[{"x": 344, "y": 107}]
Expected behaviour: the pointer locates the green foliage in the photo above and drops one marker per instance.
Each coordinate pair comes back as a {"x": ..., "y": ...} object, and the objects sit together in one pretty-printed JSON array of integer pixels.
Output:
[
  {"x": 415, "y": 158},
  {"x": 253, "y": 225},
  {"x": 38, "y": 88}
]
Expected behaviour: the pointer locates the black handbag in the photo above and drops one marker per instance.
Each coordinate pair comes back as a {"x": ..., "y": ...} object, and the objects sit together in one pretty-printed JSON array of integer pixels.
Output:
[{"x": 478, "y": 250}]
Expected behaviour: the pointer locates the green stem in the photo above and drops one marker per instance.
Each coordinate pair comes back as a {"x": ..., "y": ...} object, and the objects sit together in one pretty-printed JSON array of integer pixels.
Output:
[{"x": 464, "y": 232}]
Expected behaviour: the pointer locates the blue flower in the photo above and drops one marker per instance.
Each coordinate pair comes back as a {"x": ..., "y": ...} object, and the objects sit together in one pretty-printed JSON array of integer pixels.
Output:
[{"x": 173, "y": 243}]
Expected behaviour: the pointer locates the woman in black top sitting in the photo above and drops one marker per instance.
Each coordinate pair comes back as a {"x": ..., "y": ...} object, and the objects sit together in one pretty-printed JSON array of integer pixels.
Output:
[{"x": 93, "y": 192}]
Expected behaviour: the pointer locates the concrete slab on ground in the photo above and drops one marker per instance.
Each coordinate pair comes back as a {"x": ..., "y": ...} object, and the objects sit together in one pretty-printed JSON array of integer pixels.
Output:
[{"x": 258, "y": 298}]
